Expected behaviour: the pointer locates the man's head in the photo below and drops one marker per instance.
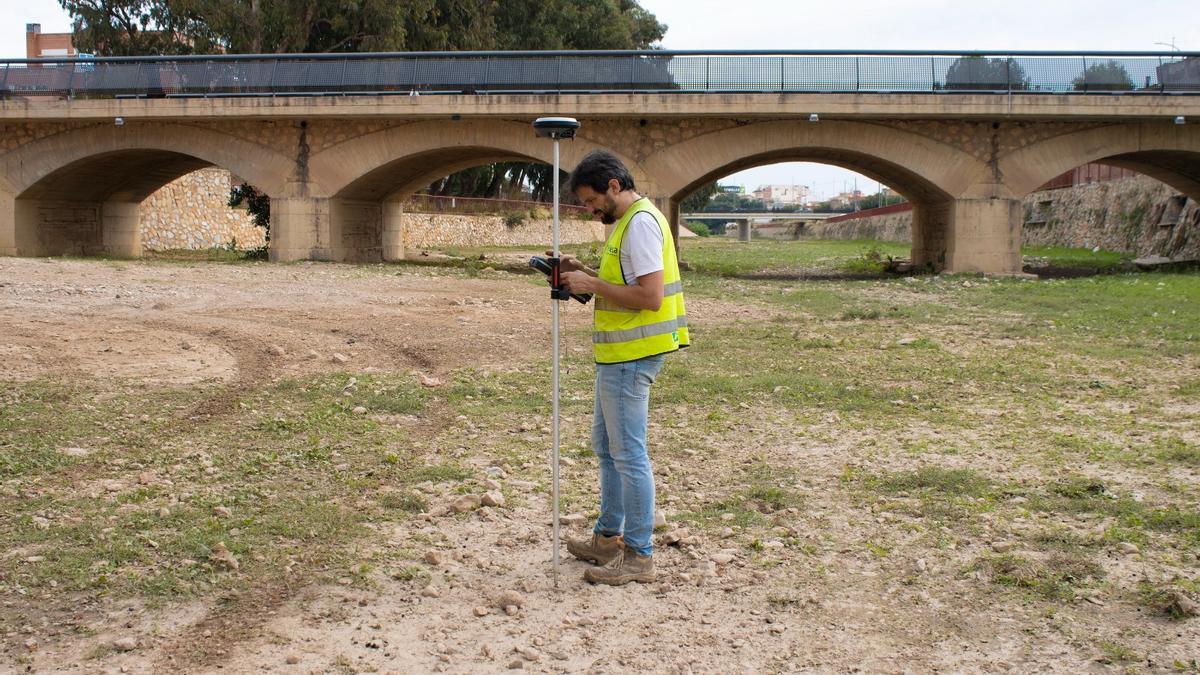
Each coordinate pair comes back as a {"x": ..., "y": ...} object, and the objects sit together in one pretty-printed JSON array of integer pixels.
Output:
[{"x": 598, "y": 181}]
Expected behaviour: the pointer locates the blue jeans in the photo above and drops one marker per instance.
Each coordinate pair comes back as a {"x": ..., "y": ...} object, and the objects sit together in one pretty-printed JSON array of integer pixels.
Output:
[{"x": 619, "y": 441}]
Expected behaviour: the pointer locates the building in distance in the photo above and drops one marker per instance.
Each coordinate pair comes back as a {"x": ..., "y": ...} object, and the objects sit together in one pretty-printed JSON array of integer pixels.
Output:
[{"x": 775, "y": 196}]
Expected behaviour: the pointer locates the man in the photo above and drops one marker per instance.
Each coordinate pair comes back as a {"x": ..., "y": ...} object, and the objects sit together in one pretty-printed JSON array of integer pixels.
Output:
[{"x": 639, "y": 318}]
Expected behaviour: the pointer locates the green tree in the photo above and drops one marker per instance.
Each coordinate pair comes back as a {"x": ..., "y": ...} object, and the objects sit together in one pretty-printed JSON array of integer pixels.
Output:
[
  {"x": 170, "y": 27},
  {"x": 698, "y": 200},
  {"x": 554, "y": 24},
  {"x": 146, "y": 27},
  {"x": 979, "y": 73},
  {"x": 1104, "y": 76}
]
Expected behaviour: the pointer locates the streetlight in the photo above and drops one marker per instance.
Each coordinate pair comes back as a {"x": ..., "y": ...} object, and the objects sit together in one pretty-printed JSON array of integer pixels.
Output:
[{"x": 556, "y": 128}]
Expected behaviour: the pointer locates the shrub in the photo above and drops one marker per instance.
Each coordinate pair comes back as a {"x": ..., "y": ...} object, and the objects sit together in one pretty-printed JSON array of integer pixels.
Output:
[{"x": 514, "y": 218}]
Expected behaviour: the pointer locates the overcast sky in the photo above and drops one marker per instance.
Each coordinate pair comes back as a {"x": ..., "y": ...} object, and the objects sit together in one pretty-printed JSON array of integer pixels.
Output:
[{"x": 1109, "y": 25}]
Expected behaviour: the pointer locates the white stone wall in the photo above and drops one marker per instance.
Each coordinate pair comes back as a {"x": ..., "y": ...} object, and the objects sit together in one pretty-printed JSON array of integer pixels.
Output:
[
  {"x": 193, "y": 213},
  {"x": 439, "y": 230}
]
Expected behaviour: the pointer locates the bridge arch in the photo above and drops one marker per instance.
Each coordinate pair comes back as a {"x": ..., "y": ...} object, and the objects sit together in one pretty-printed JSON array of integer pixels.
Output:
[
  {"x": 79, "y": 191},
  {"x": 1167, "y": 152},
  {"x": 368, "y": 178},
  {"x": 929, "y": 173}
]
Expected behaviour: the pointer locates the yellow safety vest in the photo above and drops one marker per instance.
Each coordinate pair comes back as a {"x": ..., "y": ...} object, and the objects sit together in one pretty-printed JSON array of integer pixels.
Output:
[{"x": 622, "y": 334}]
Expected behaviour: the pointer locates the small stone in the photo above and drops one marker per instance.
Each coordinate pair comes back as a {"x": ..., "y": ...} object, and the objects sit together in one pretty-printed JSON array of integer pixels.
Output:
[
  {"x": 511, "y": 610},
  {"x": 292, "y": 659},
  {"x": 1184, "y": 605},
  {"x": 1003, "y": 546},
  {"x": 340, "y": 358},
  {"x": 721, "y": 558},
  {"x": 125, "y": 644},
  {"x": 674, "y": 537},
  {"x": 431, "y": 592},
  {"x": 510, "y": 598},
  {"x": 31, "y": 644},
  {"x": 145, "y": 477},
  {"x": 466, "y": 503},
  {"x": 221, "y": 558},
  {"x": 222, "y": 511},
  {"x": 727, "y": 533},
  {"x": 427, "y": 381},
  {"x": 1127, "y": 548},
  {"x": 275, "y": 350},
  {"x": 727, "y": 517},
  {"x": 481, "y": 611},
  {"x": 75, "y": 452},
  {"x": 566, "y": 461},
  {"x": 164, "y": 512},
  {"x": 434, "y": 557},
  {"x": 41, "y": 523},
  {"x": 573, "y": 519},
  {"x": 906, "y": 341},
  {"x": 921, "y": 564},
  {"x": 530, "y": 653},
  {"x": 660, "y": 519},
  {"x": 359, "y": 410},
  {"x": 491, "y": 484},
  {"x": 492, "y": 498},
  {"x": 114, "y": 486},
  {"x": 516, "y": 664},
  {"x": 311, "y": 354}
]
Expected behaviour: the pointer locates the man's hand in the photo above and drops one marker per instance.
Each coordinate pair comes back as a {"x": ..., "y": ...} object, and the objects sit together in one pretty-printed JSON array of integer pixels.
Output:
[
  {"x": 568, "y": 263},
  {"x": 580, "y": 282}
]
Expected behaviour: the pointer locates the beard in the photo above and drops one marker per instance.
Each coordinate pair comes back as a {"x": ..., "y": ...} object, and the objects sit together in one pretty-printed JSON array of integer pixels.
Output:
[{"x": 607, "y": 218}]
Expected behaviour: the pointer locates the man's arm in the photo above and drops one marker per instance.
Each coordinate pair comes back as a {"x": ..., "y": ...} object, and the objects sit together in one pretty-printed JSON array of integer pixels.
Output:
[{"x": 647, "y": 293}]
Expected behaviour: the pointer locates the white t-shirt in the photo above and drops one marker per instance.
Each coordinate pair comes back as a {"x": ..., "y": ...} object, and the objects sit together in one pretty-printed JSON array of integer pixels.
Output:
[{"x": 642, "y": 248}]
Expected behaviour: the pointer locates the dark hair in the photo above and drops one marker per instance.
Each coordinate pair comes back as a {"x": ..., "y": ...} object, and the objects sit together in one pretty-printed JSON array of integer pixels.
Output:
[{"x": 596, "y": 169}]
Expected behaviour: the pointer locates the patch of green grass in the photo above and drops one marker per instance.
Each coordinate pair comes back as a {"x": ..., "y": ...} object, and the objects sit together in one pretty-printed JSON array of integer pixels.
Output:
[
  {"x": 1133, "y": 517},
  {"x": 1079, "y": 258},
  {"x": 438, "y": 473},
  {"x": 1058, "y": 577},
  {"x": 1117, "y": 653},
  {"x": 934, "y": 479},
  {"x": 222, "y": 254},
  {"x": 726, "y": 257},
  {"x": 404, "y": 501},
  {"x": 1178, "y": 451}
]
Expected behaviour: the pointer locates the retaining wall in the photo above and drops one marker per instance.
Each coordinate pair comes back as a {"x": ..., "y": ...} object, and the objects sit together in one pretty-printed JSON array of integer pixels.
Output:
[{"x": 1136, "y": 215}]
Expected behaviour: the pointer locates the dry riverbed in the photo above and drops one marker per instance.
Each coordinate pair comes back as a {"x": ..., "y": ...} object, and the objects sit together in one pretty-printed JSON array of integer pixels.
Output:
[{"x": 326, "y": 468}]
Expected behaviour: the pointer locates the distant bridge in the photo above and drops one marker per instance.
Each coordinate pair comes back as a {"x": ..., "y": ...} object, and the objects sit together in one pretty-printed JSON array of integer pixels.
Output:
[{"x": 757, "y": 215}]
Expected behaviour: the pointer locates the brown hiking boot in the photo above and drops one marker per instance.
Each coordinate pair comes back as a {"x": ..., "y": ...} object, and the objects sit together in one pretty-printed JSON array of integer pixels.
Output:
[
  {"x": 626, "y": 567},
  {"x": 598, "y": 550}
]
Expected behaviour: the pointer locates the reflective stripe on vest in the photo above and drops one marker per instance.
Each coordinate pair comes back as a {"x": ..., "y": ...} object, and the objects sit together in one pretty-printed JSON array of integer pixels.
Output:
[{"x": 624, "y": 334}]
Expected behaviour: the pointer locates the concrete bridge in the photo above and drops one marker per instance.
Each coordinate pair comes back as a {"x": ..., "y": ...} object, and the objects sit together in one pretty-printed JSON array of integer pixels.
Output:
[{"x": 338, "y": 168}]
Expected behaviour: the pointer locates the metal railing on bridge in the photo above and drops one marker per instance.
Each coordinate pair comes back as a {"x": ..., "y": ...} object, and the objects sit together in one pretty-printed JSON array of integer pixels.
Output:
[{"x": 422, "y": 73}]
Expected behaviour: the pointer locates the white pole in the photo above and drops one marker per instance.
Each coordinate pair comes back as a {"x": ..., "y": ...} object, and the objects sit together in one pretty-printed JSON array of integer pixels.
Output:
[{"x": 554, "y": 338}]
